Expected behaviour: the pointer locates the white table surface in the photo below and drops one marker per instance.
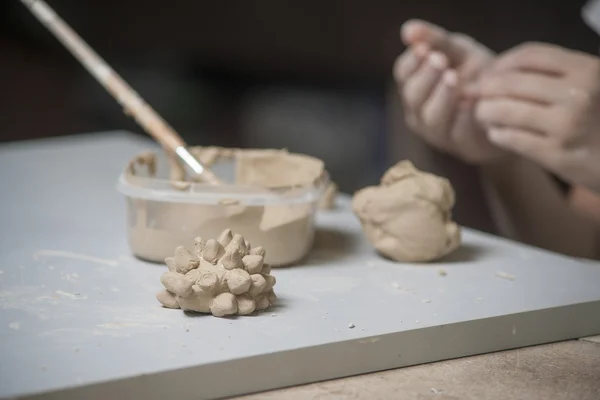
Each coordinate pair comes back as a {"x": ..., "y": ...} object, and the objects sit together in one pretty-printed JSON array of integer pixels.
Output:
[{"x": 78, "y": 316}]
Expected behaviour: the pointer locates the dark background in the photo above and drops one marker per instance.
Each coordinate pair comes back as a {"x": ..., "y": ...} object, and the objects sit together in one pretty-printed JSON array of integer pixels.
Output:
[{"x": 312, "y": 76}]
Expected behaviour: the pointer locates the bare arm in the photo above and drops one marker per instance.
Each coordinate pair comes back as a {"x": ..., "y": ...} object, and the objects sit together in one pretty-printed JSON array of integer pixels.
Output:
[
  {"x": 586, "y": 202},
  {"x": 528, "y": 206}
]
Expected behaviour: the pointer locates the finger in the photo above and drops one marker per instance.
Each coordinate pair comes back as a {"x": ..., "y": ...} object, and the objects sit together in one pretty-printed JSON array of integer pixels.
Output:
[
  {"x": 515, "y": 113},
  {"x": 439, "y": 109},
  {"x": 408, "y": 63},
  {"x": 521, "y": 85},
  {"x": 527, "y": 144},
  {"x": 471, "y": 139},
  {"x": 418, "y": 31},
  {"x": 419, "y": 87},
  {"x": 540, "y": 57}
]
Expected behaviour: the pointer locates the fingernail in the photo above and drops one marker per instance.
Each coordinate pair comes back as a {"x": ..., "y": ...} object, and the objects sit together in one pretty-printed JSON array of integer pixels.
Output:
[
  {"x": 407, "y": 31},
  {"x": 437, "y": 60},
  {"x": 450, "y": 78}
]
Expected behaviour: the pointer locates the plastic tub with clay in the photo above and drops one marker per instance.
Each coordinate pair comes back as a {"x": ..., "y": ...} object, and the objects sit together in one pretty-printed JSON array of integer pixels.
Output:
[{"x": 273, "y": 206}]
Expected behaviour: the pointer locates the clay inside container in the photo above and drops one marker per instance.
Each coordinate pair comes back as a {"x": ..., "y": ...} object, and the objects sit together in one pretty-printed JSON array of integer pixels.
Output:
[{"x": 270, "y": 197}]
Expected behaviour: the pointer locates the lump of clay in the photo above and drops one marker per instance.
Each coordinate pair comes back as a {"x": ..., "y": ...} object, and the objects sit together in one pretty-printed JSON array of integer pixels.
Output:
[
  {"x": 408, "y": 217},
  {"x": 222, "y": 277}
]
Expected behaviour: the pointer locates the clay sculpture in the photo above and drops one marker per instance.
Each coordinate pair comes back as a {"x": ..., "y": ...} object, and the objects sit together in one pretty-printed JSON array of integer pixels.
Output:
[
  {"x": 408, "y": 216},
  {"x": 222, "y": 277}
]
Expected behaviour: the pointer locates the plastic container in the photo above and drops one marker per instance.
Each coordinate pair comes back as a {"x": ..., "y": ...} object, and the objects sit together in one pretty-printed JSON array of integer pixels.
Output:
[{"x": 161, "y": 217}]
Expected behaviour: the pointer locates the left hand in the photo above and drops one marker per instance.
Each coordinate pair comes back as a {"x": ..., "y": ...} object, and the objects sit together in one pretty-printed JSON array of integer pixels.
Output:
[
  {"x": 543, "y": 102},
  {"x": 430, "y": 75}
]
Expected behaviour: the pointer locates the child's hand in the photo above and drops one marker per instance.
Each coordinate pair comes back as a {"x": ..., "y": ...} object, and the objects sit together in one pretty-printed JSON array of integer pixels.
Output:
[
  {"x": 543, "y": 102},
  {"x": 430, "y": 76}
]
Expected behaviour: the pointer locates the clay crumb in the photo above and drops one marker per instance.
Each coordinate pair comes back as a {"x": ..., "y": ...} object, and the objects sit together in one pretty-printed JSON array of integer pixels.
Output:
[
  {"x": 504, "y": 275},
  {"x": 435, "y": 391},
  {"x": 426, "y": 301},
  {"x": 181, "y": 185},
  {"x": 442, "y": 272},
  {"x": 351, "y": 325},
  {"x": 14, "y": 325},
  {"x": 273, "y": 315}
]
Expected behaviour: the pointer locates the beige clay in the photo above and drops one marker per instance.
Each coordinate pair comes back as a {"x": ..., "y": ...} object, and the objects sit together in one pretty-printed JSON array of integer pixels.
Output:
[
  {"x": 145, "y": 159},
  {"x": 286, "y": 229},
  {"x": 408, "y": 216},
  {"x": 328, "y": 200},
  {"x": 222, "y": 277},
  {"x": 276, "y": 168}
]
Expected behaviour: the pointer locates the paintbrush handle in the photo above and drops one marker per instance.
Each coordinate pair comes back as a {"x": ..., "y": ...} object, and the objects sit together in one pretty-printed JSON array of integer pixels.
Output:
[{"x": 132, "y": 103}]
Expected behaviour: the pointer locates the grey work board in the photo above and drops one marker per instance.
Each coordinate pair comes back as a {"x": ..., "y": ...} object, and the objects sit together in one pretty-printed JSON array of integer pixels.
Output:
[{"x": 78, "y": 316}]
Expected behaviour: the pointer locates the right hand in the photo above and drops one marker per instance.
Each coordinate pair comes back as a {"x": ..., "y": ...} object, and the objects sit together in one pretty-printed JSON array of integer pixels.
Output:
[{"x": 430, "y": 75}]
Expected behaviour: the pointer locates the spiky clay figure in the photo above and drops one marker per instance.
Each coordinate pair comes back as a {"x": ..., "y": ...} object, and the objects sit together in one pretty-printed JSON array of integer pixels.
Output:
[{"x": 223, "y": 277}]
